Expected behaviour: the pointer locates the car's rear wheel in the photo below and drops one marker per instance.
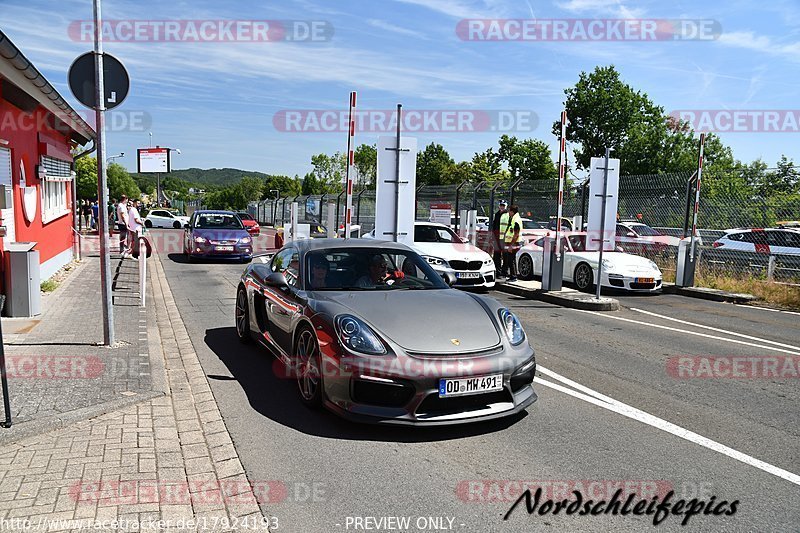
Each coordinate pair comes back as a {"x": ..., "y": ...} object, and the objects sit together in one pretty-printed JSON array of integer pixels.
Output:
[
  {"x": 583, "y": 277},
  {"x": 148, "y": 223},
  {"x": 525, "y": 267},
  {"x": 309, "y": 376},
  {"x": 242, "y": 316},
  {"x": 176, "y": 225}
]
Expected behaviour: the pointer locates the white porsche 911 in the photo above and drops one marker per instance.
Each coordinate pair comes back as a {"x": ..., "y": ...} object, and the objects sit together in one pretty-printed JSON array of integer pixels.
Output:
[{"x": 620, "y": 270}]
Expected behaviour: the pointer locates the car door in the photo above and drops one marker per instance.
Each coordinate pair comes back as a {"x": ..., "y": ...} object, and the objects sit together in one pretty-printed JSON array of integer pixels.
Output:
[
  {"x": 187, "y": 233},
  {"x": 162, "y": 219},
  {"x": 281, "y": 302}
]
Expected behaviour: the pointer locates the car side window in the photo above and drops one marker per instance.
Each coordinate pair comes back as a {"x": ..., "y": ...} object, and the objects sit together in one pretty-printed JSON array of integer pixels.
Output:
[
  {"x": 287, "y": 263},
  {"x": 777, "y": 238},
  {"x": 622, "y": 231}
]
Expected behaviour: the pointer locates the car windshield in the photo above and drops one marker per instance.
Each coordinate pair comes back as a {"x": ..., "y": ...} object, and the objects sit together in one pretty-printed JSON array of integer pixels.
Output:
[
  {"x": 369, "y": 269},
  {"x": 435, "y": 234},
  {"x": 645, "y": 231},
  {"x": 245, "y": 216},
  {"x": 218, "y": 221},
  {"x": 530, "y": 224}
]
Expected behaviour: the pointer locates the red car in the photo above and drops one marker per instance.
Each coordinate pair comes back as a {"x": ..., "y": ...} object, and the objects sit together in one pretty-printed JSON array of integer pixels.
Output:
[{"x": 250, "y": 223}]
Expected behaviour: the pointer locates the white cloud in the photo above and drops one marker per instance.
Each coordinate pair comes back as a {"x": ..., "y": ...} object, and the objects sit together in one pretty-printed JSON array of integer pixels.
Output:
[
  {"x": 760, "y": 43},
  {"x": 611, "y": 7}
]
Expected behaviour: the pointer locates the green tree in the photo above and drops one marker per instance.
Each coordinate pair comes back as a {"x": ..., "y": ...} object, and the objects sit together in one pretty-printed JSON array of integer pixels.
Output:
[
  {"x": 529, "y": 159},
  {"x": 488, "y": 166},
  {"x": 603, "y": 111},
  {"x": 365, "y": 159},
  {"x": 86, "y": 178},
  {"x": 286, "y": 185},
  {"x": 311, "y": 184},
  {"x": 120, "y": 182},
  {"x": 434, "y": 166},
  {"x": 329, "y": 171}
]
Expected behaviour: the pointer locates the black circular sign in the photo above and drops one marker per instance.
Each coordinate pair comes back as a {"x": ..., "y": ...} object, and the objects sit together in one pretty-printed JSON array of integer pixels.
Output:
[{"x": 116, "y": 81}]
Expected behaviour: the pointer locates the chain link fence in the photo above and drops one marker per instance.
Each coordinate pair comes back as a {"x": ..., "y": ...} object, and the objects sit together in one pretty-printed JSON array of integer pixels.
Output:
[{"x": 654, "y": 213}]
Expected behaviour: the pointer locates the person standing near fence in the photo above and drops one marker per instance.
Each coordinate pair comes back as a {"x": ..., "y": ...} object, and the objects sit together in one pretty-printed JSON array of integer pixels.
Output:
[
  {"x": 86, "y": 212},
  {"x": 122, "y": 224},
  {"x": 511, "y": 238},
  {"x": 95, "y": 214},
  {"x": 497, "y": 247},
  {"x": 134, "y": 228}
]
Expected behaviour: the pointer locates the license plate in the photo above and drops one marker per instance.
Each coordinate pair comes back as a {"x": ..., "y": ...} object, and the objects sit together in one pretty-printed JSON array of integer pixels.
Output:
[
  {"x": 645, "y": 280},
  {"x": 223, "y": 248},
  {"x": 463, "y": 386},
  {"x": 468, "y": 275}
]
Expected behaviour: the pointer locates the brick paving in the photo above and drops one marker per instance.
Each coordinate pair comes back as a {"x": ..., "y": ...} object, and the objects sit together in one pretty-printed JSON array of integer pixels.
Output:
[
  {"x": 166, "y": 459},
  {"x": 55, "y": 364}
]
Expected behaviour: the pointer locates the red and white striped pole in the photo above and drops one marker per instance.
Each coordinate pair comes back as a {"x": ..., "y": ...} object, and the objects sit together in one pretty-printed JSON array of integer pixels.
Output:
[
  {"x": 562, "y": 170},
  {"x": 697, "y": 195},
  {"x": 351, "y": 131}
]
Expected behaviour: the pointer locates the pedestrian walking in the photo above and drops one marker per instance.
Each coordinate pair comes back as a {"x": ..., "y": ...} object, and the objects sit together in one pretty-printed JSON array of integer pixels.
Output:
[
  {"x": 511, "y": 233},
  {"x": 122, "y": 224},
  {"x": 86, "y": 214},
  {"x": 497, "y": 245},
  {"x": 134, "y": 227},
  {"x": 95, "y": 214}
]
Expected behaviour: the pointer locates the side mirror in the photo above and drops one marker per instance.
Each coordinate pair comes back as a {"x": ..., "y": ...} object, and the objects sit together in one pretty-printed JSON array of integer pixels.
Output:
[
  {"x": 630, "y": 234},
  {"x": 276, "y": 279},
  {"x": 186, "y": 226},
  {"x": 449, "y": 278}
]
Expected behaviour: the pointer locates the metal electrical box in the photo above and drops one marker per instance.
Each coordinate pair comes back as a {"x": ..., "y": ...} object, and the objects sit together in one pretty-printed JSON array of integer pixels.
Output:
[
  {"x": 5, "y": 197},
  {"x": 23, "y": 296}
]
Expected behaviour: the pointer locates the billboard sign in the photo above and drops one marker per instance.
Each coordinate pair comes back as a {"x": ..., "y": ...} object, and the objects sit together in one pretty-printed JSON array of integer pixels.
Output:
[{"x": 153, "y": 160}]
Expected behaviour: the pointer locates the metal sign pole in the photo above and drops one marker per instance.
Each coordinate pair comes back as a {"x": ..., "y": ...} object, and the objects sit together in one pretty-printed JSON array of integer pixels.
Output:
[
  {"x": 351, "y": 130},
  {"x": 697, "y": 196},
  {"x": 602, "y": 225},
  {"x": 562, "y": 163},
  {"x": 397, "y": 177},
  {"x": 3, "y": 374},
  {"x": 102, "y": 191}
]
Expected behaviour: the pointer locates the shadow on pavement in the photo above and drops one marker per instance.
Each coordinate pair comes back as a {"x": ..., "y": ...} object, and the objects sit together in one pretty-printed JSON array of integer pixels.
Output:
[
  {"x": 276, "y": 398},
  {"x": 182, "y": 259}
]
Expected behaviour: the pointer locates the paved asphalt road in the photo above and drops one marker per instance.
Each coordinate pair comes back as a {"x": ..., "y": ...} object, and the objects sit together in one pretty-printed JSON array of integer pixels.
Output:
[{"x": 335, "y": 472}]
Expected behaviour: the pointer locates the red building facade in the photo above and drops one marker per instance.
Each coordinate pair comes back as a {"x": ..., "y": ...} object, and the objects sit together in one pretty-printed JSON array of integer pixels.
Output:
[{"x": 38, "y": 132}]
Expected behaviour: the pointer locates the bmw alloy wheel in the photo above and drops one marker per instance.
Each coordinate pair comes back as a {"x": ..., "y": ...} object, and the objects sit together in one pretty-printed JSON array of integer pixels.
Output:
[{"x": 525, "y": 267}]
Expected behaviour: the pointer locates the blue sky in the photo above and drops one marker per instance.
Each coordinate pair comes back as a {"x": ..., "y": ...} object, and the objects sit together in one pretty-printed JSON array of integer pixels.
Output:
[{"x": 216, "y": 101}]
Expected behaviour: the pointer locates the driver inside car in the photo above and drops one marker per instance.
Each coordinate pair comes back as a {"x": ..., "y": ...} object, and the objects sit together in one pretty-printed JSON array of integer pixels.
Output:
[{"x": 378, "y": 273}]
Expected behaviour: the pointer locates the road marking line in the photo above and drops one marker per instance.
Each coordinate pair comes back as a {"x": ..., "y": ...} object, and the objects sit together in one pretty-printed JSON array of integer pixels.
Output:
[
  {"x": 768, "y": 309},
  {"x": 678, "y": 431},
  {"x": 716, "y": 329},
  {"x": 763, "y": 347}
]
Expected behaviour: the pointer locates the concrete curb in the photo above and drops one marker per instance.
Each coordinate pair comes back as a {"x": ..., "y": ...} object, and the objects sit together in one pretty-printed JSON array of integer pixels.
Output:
[
  {"x": 571, "y": 300},
  {"x": 714, "y": 295}
]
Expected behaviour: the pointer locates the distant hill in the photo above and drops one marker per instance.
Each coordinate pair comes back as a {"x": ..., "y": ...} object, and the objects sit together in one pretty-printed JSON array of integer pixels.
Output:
[{"x": 206, "y": 177}]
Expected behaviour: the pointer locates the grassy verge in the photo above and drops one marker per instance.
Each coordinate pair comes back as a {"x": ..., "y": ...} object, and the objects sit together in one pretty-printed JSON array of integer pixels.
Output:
[{"x": 770, "y": 292}]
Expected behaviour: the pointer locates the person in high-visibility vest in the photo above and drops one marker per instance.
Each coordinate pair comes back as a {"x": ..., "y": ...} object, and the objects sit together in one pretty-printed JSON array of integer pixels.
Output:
[
  {"x": 497, "y": 246},
  {"x": 511, "y": 233}
]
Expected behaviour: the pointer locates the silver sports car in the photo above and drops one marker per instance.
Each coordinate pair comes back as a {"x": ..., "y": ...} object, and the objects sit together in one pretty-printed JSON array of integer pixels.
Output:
[{"x": 369, "y": 330}]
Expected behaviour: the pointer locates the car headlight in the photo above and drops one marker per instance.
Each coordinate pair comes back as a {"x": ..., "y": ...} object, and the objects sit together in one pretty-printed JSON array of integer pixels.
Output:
[
  {"x": 653, "y": 265},
  {"x": 437, "y": 261},
  {"x": 511, "y": 326},
  {"x": 245, "y": 240},
  {"x": 200, "y": 240},
  {"x": 488, "y": 262},
  {"x": 358, "y": 336},
  {"x": 607, "y": 265}
]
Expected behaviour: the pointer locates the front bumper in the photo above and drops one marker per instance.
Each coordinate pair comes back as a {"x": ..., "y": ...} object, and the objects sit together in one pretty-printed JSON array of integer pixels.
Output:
[
  {"x": 241, "y": 251},
  {"x": 633, "y": 283},
  {"x": 398, "y": 394},
  {"x": 485, "y": 277}
]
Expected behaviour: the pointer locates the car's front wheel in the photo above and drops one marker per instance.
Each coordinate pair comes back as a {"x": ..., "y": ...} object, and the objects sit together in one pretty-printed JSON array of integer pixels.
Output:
[
  {"x": 242, "y": 316},
  {"x": 148, "y": 223},
  {"x": 176, "y": 225},
  {"x": 583, "y": 277},
  {"x": 307, "y": 364},
  {"x": 525, "y": 267}
]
